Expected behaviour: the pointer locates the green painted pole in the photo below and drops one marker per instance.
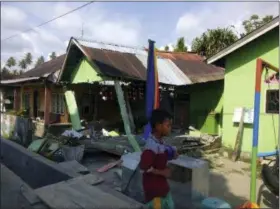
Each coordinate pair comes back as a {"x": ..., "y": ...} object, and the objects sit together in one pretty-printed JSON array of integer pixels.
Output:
[{"x": 125, "y": 118}]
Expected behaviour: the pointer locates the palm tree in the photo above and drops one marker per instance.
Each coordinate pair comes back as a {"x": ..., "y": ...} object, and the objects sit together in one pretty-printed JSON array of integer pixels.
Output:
[
  {"x": 180, "y": 46},
  {"x": 53, "y": 55},
  {"x": 40, "y": 61},
  {"x": 22, "y": 63},
  {"x": 11, "y": 62},
  {"x": 28, "y": 59}
]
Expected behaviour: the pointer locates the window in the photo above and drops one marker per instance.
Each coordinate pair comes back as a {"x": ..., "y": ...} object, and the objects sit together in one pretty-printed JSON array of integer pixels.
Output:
[
  {"x": 272, "y": 101},
  {"x": 25, "y": 101},
  {"x": 58, "y": 103}
]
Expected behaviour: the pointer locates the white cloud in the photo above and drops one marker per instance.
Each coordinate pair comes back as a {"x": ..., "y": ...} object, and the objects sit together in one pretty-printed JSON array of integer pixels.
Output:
[
  {"x": 223, "y": 14},
  {"x": 97, "y": 25}
]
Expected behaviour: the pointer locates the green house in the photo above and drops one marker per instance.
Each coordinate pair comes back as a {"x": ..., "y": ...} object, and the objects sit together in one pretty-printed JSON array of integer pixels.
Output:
[{"x": 239, "y": 61}]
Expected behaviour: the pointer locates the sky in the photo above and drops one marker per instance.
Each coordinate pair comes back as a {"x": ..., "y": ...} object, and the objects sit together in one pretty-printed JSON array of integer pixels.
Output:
[{"x": 125, "y": 23}]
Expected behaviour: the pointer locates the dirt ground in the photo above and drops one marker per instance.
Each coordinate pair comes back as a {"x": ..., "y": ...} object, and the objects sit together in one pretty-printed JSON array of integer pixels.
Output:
[{"x": 231, "y": 181}]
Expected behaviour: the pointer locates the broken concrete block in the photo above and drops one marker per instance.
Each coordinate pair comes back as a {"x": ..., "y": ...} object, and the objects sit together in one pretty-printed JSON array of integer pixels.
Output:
[{"x": 193, "y": 176}]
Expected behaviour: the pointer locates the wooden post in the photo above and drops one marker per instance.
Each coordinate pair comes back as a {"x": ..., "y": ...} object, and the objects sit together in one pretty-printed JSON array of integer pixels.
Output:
[
  {"x": 21, "y": 97},
  {"x": 125, "y": 118},
  {"x": 16, "y": 99},
  {"x": 130, "y": 115},
  {"x": 47, "y": 108},
  {"x": 238, "y": 141}
]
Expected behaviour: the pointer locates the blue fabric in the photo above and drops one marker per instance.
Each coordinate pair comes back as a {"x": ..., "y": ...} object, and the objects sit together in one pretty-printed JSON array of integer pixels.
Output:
[
  {"x": 150, "y": 87},
  {"x": 214, "y": 203}
]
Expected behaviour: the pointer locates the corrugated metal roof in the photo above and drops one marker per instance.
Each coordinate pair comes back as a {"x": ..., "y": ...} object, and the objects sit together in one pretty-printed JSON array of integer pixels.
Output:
[
  {"x": 200, "y": 72},
  {"x": 180, "y": 55},
  {"x": 168, "y": 72},
  {"x": 46, "y": 68},
  {"x": 131, "y": 63},
  {"x": 111, "y": 47},
  {"x": 116, "y": 64},
  {"x": 18, "y": 80}
]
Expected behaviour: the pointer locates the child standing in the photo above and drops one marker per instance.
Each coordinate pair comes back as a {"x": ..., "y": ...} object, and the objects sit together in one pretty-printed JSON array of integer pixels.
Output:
[{"x": 154, "y": 163}]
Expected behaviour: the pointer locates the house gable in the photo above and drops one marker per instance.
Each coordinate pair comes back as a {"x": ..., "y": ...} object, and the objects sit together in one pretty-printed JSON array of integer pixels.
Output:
[{"x": 84, "y": 73}]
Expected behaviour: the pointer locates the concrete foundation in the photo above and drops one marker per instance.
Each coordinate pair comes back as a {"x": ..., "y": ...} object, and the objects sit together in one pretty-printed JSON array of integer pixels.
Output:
[{"x": 34, "y": 169}]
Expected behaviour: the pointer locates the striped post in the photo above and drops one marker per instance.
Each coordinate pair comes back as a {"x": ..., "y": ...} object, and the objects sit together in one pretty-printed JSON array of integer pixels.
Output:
[{"x": 259, "y": 71}]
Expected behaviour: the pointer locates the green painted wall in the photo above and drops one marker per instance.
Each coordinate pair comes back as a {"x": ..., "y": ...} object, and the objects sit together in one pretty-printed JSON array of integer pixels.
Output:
[
  {"x": 239, "y": 91},
  {"x": 84, "y": 73},
  {"x": 206, "y": 99}
]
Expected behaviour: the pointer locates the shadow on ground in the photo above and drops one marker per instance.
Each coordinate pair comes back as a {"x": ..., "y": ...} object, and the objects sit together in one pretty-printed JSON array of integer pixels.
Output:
[{"x": 235, "y": 190}]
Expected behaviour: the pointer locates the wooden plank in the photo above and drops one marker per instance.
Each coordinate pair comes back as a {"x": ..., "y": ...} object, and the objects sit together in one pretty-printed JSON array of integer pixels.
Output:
[
  {"x": 133, "y": 204},
  {"x": 77, "y": 193},
  {"x": 54, "y": 199},
  {"x": 73, "y": 167},
  {"x": 81, "y": 199},
  {"x": 238, "y": 140},
  {"x": 102, "y": 199},
  {"x": 108, "y": 166},
  {"x": 90, "y": 179}
]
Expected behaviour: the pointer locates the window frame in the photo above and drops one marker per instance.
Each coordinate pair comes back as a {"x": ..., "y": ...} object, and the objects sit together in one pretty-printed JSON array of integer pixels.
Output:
[
  {"x": 26, "y": 100},
  {"x": 57, "y": 104},
  {"x": 268, "y": 96}
]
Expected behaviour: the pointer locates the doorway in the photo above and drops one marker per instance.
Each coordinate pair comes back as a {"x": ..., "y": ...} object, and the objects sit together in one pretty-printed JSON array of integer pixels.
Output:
[{"x": 182, "y": 112}]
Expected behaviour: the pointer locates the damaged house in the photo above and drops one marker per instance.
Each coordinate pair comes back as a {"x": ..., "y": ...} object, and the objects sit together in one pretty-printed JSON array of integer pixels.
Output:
[
  {"x": 79, "y": 86},
  {"x": 190, "y": 89}
]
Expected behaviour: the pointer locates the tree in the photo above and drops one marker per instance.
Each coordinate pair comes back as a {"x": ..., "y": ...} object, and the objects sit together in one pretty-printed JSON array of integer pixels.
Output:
[
  {"x": 22, "y": 63},
  {"x": 166, "y": 48},
  {"x": 213, "y": 40},
  {"x": 53, "y": 55},
  {"x": 11, "y": 62},
  {"x": 255, "y": 22},
  {"x": 6, "y": 74},
  {"x": 180, "y": 45},
  {"x": 28, "y": 59},
  {"x": 40, "y": 61}
]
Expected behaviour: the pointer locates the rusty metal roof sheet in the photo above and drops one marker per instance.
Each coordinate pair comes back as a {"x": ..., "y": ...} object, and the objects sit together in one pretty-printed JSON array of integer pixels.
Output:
[
  {"x": 200, "y": 72},
  {"x": 116, "y": 64},
  {"x": 46, "y": 68},
  {"x": 168, "y": 72},
  {"x": 174, "y": 68},
  {"x": 180, "y": 55}
]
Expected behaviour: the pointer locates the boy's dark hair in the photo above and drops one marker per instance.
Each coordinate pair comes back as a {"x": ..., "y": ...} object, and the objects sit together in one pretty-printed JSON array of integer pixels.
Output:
[{"x": 158, "y": 117}]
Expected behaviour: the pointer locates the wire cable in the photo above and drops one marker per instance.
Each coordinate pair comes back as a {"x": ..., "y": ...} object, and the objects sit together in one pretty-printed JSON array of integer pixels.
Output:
[{"x": 44, "y": 23}]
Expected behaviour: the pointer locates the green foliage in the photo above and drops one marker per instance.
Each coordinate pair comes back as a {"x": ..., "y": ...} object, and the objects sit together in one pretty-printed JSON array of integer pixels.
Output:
[
  {"x": 28, "y": 59},
  {"x": 213, "y": 40},
  {"x": 11, "y": 62},
  {"x": 40, "y": 61},
  {"x": 166, "y": 48},
  {"x": 53, "y": 55},
  {"x": 255, "y": 22},
  {"x": 22, "y": 63},
  {"x": 180, "y": 45}
]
